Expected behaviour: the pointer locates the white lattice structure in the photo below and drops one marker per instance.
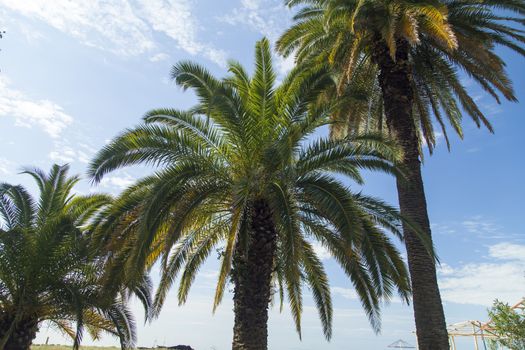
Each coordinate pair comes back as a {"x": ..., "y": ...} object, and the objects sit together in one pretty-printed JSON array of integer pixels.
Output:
[{"x": 477, "y": 330}]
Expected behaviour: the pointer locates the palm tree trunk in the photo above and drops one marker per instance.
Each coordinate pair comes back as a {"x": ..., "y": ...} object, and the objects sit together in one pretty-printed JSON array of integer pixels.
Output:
[
  {"x": 21, "y": 335},
  {"x": 395, "y": 80},
  {"x": 252, "y": 270}
]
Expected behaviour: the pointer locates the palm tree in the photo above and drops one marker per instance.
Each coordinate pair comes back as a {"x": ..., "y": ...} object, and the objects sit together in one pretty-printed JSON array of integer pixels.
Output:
[
  {"x": 47, "y": 269},
  {"x": 417, "y": 49},
  {"x": 239, "y": 169}
]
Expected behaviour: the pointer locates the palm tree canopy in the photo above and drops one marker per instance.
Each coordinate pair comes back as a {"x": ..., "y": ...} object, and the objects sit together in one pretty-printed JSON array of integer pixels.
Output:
[
  {"x": 48, "y": 271},
  {"x": 445, "y": 38},
  {"x": 247, "y": 140}
]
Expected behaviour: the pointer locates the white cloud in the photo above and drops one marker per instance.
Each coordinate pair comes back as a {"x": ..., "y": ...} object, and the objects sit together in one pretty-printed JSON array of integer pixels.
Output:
[
  {"x": 482, "y": 227},
  {"x": 175, "y": 19},
  {"x": 474, "y": 227},
  {"x": 123, "y": 27},
  {"x": 444, "y": 229},
  {"x": 266, "y": 17},
  {"x": 322, "y": 252},
  {"x": 477, "y": 224},
  {"x": 347, "y": 293},
  {"x": 508, "y": 251},
  {"x": 285, "y": 64},
  {"x": 45, "y": 114},
  {"x": 159, "y": 57},
  {"x": 5, "y": 166},
  {"x": 31, "y": 34},
  {"x": 351, "y": 294},
  {"x": 63, "y": 152},
  {"x": 118, "y": 181},
  {"x": 269, "y": 18},
  {"x": 486, "y": 102},
  {"x": 67, "y": 155},
  {"x": 446, "y": 270},
  {"x": 110, "y": 25},
  {"x": 502, "y": 278},
  {"x": 438, "y": 135},
  {"x": 64, "y": 155}
]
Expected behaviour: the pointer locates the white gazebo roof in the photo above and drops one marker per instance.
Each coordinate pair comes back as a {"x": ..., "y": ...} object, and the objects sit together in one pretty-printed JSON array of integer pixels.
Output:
[{"x": 401, "y": 344}]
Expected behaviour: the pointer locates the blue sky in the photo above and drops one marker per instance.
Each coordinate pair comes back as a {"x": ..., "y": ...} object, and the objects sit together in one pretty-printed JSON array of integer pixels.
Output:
[{"x": 75, "y": 73}]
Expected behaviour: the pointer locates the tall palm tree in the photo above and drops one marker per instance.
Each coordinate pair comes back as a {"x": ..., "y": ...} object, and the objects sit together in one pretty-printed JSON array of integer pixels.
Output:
[
  {"x": 47, "y": 269},
  {"x": 417, "y": 49},
  {"x": 240, "y": 169}
]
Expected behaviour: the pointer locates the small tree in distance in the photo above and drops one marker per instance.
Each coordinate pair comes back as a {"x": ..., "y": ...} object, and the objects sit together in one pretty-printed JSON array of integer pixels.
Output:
[{"x": 509, "y": 324}]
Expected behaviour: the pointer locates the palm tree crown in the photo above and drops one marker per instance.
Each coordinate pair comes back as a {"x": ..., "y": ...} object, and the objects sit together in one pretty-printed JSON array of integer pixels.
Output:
[
  {"x": 246, "y": 149},
  {"x": 47, "y": 269},
  {"x": 443, "y": 39},
  {"x": 400, "y": 60}
]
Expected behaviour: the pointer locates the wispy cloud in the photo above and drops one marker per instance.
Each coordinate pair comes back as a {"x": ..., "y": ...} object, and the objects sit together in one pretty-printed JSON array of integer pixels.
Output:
[
  {"x": 483, "y": 228},
  {"x": 175, "y": 19},
  {"x": 347, "y": 293},
  {"x": 443, "y": 229},
  {"x": 487, "y": 103},
  {"x": 438, "y": 135},
  {"x": 503, "y": 277},
  {"x": 5, "y": 166},
  {"x": 159, "y": 57},
  {"x": 117, "y": 181},
  {"x": 266, "y": 17},
  {"x": 30, "y": 34},
  {"x": 123, "y": 27},
  {"x": 284, "y": 64},
  {"x": 65, "y": 151},
  {"x": 473, "y": 150},
  {"x": 28, "y": 112},
  {"x": 321, "y": 251},
  {"x": 477, "y": 226},
  {"x": 269, "y": 18},
  {"x": 351, "y": 294},
  {"x": 110, "y": 25},
  {"x": 508, "y": 251},
  {"x": 64, "y": 155}
]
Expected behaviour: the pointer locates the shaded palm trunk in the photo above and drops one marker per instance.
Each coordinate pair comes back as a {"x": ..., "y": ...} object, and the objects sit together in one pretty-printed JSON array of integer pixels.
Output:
[
  {"x": 252, "y": 269},
  {"x": 21, "y": 336},
  {"x": 395, "y": 81}
]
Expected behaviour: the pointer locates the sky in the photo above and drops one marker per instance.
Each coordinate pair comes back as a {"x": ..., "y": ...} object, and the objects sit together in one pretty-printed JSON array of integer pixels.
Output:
[{"x": 74, "y": 74}]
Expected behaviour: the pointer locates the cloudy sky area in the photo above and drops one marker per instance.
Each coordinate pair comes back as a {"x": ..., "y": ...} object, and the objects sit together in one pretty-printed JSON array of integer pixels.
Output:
[{"x": 75, "y": 73}]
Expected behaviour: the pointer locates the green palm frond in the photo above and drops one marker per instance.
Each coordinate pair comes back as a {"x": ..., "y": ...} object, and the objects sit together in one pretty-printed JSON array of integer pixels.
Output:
[
  {"x": 444, "y": 37},
  {"x": 248, "y": 141},
  {"x": 50, "y": 269}
]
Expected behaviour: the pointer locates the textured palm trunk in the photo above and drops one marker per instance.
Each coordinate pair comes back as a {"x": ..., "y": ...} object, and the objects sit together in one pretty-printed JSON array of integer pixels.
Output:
[
  {"x": 252, "y": 269},
  {"x": 395, "y": 80},
  {"x": 21, "y": 336}
]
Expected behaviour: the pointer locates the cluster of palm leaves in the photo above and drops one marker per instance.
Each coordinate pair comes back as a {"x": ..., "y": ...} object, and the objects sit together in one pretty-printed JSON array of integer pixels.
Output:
[
  {"x": 346, "y": 38},
  {"x": 246, "y": 169},
  {"x": 261, "y": 172},
  {"x": 397, "y": 67},
  {"x": 49, "y": 271}
]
